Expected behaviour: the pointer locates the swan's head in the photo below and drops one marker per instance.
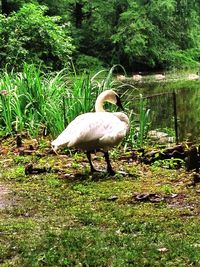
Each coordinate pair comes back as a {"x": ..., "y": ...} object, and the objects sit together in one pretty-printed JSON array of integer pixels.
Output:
[{"x": 108, "y": 96}]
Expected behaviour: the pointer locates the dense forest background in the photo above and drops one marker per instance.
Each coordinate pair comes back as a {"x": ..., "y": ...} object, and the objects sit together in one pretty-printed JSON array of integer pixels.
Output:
[{"x": 142, "y": 35}]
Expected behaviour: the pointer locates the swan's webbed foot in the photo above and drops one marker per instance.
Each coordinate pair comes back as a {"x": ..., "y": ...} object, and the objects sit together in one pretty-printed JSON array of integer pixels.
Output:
[{"x": 110, "y": 170}]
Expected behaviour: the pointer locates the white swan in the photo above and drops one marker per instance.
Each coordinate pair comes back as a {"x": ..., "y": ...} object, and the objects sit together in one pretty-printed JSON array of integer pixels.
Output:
[{"x": 96, "y": 131}]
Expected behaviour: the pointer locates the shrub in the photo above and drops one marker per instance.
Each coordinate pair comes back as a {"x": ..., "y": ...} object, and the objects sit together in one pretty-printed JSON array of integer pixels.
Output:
[
  {"x": 85, "y": 62},
  {"x": 29, "y": 35}
]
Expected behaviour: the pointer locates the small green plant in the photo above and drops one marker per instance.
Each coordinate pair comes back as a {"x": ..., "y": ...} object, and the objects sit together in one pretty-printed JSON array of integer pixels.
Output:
[
  {"x": 138, "y": 129},
  {"x": 172, "y": 163},
  {"x": 143, "y": 121},
  {"x": 167, "y": 189},
  {"x": 5, "y": 109}
]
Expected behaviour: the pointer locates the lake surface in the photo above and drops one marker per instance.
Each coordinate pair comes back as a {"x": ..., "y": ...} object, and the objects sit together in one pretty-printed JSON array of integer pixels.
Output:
[{"x": 160, "y": 101}]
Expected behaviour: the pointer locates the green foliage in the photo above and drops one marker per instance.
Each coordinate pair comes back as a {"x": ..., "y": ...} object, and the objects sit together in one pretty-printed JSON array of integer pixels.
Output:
[
  {"x": 138, "y": 127},
  {"x": 85, "y": 62},
  {"x": 28, "y": 102},
  {"x": 186, "y": 59},
  {"x": 153, "y": 34},
  {"x": 173, "y": 163},
  {"x": 31, "y": 36},
  {"x": 137, "y": 34},
  {"x": 131, "y": 36}
]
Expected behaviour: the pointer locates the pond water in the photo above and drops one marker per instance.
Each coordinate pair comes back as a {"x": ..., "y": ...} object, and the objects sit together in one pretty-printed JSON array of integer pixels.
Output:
[{"x": 162, "y": 106}]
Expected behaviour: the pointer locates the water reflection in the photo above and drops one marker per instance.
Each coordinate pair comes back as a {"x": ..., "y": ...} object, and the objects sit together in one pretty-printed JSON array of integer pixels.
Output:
[
  {"x": 162, "y": 109},
  {"x": 188, "y": 106}
]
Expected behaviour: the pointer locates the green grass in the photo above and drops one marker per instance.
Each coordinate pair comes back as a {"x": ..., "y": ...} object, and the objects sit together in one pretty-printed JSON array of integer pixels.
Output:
[{"x": 68, "y": 218}]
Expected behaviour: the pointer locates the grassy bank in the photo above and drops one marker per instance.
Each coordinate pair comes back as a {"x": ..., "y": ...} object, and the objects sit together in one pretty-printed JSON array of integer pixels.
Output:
[{"x": 67, "y": 217}]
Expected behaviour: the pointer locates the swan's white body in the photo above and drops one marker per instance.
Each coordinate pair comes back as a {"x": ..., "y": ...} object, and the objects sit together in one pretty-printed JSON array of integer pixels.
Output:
[{"x": 95, "y": 131}]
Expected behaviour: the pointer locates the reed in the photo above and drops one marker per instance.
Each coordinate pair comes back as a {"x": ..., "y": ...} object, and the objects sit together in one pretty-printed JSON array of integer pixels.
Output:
[
  {"x": 143, "y": 121},
  {"x": 36, "y": 103},
  {"x": 32, "y": 101},
  {"x": 27, "y": 99}
]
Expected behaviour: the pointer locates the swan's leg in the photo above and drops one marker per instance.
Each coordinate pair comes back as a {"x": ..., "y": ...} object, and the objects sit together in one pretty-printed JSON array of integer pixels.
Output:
[
  {"x": 90, "y": 161},
  {"x": 109, "y": 167}
]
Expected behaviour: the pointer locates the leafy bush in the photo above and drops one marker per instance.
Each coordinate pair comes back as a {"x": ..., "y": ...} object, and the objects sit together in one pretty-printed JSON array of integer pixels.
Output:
[
  {"x": 85, "y": 62},
  {"x": 30, "y": 36},
  {"x": 158, "y": 35},
  {"x": 186, "y": 59}
]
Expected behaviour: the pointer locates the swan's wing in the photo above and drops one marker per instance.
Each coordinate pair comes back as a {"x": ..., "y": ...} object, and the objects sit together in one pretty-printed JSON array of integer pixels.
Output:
[
  {"x": 99, "y": 130},
  {"x": 72, "y": 132},
  {"x": 92, "y": 131}
]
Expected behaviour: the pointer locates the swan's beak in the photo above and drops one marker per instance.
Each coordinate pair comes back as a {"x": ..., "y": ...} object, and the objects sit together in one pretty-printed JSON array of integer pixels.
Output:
[
  {"x": 119, "y": 103},
  {"x": 54, "y": 148}
]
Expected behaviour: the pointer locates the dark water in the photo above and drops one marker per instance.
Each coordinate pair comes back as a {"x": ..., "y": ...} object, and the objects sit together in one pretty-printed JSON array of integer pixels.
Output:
[{"x": 160, "y": 101}]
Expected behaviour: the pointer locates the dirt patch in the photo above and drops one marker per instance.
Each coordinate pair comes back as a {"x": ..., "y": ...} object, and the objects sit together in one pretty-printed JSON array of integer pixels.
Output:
[{"x": 3, "y": 196}]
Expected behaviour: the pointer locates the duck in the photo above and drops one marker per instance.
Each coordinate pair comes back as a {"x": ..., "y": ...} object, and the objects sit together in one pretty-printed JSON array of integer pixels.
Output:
[{"x": 96, "y": 131}]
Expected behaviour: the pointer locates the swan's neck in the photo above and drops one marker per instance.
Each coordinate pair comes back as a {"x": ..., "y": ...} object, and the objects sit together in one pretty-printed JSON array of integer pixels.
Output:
[{"x": 99, "y": 104}]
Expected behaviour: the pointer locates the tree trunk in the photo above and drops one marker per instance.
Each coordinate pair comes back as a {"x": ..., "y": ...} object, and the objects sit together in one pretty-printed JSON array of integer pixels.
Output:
[
  {"x": 5, "y": 7},
  {"x": 78, "y": 13}
]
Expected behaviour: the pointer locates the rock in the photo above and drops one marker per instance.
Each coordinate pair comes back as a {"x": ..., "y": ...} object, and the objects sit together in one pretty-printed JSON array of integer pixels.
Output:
[
  {"x": 29, "y": 169},
  {"x": 151, "y": 197},
  {"x": 112, "y": 198}
]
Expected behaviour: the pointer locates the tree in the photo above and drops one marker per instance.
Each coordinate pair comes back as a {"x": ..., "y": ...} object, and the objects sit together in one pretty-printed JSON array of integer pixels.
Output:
[
  {"x": 5, "y": 9},
  {"x": 7, "y": 6},
  {"x": 139, "y": 34},
  {"x": 157, "y": 34},
  {"x": 30, "y": 35}
]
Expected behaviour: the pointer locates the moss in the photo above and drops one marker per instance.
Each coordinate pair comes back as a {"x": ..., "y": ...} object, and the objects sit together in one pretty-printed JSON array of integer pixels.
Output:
[{"x": 67, "y": 217}]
